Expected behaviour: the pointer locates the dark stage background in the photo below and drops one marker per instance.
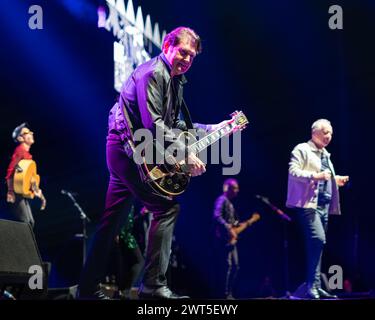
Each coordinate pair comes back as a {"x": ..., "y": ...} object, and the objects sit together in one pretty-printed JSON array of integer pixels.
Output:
[{"x": 276, "y": 60}]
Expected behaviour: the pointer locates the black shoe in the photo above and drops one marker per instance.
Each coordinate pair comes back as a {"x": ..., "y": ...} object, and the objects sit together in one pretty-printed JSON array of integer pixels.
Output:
[
  {"x": 97, "y": 295},
  {"x": 312, "y": 293},
  {"x": 325, "y": 295},
  {"x": 124, "y": 294},
  {"x": 159, "y": 293}
]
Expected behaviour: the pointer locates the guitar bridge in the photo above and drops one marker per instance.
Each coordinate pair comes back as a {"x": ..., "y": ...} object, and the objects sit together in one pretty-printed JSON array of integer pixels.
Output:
[{"x": 156, "y": 174}]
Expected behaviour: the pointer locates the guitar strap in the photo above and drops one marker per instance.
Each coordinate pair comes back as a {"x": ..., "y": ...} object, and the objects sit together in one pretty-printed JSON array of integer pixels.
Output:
[
  {"x": 129, "y": 146},
  {"x": 186, "y": 114},
  {"x": 129, "y": 127},
  {"x": 128, "y": 138},
  {"x": 184, "y": 108}
]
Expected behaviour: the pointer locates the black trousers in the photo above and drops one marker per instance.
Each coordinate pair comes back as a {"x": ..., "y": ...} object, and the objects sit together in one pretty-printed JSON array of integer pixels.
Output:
[
  {"x": 225, "y": 268},
  {"x": 125, "y": 184},
  {"x": 233, "y": 265},
  {"x": 21, "y": 211},
  {"x": 314, "y": 225},
  {"x": 130, "y": 262}
]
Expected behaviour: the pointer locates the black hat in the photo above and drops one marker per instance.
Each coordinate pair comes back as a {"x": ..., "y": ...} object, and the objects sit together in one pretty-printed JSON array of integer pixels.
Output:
[{"x": 17, "y": 131}]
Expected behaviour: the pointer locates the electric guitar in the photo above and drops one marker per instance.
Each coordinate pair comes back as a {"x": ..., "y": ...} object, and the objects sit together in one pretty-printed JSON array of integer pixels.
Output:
[
  {"x": 171, "y": 178},
  {"x": 26, "y": 181},
  {"x": 242, "y": 227}
]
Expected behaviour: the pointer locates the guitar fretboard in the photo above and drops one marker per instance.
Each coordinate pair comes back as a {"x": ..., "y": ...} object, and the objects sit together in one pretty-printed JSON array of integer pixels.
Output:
[{"x": 212, "y": 138}]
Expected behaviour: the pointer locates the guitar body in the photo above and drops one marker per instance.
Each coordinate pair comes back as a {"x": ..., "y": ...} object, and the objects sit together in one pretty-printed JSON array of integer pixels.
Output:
[
  {"x": 169, "y": 179},
  {"x": 26, "y": 179}
]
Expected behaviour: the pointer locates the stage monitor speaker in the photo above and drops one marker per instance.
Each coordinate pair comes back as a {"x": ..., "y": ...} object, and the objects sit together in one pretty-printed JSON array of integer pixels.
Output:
[
  {"x": 68, "y": 293},
  {"x": 19, "y": 252},
  {"x": 301, "y": 291}
]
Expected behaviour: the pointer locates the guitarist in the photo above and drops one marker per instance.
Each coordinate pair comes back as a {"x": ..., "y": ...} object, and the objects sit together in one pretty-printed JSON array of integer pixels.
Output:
[
  {"x": 20, "y": 206},
  {"x": 226, "y": 219},
  {"x": 151, "y": 98}
]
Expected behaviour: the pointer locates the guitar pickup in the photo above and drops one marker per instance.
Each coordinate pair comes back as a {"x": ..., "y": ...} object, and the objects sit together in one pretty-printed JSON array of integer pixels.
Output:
[{"x": 156, "y": 173}]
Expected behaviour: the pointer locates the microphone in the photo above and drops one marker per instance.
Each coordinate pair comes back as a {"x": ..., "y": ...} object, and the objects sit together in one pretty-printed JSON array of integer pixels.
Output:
[
  {"x": 8, "y": 295},
  {"x": 276, "y": 209},
  {"x": 68, "y": 192},
  {"x": 283, "y": 215},
  {"x": 71, "y": 196},
  {"x": 264, "y": 199}
]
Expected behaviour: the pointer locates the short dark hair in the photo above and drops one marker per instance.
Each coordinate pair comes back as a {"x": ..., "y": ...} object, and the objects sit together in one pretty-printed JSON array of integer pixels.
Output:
[
  {"x": 174, "y": 37},
  {"x": 17, "y": 131},
  {"x": 229, "y": 183}
]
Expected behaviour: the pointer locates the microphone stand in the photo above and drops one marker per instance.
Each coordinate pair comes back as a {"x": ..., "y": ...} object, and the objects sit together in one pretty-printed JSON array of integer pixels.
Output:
[
  {"x": 286, "y": 259},
  {"x": 85, "y": 219},
  {"x": 285, "y": 219}
]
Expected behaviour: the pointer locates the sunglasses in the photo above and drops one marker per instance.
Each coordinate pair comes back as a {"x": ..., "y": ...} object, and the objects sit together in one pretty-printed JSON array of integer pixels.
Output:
[{"x": 27, "y": 132}]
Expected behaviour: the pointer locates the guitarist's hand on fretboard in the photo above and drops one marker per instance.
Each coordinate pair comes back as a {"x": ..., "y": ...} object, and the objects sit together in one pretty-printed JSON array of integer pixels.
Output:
[
  {"x": 214, "y": 127},
  {"x": 44, "y": 203},
  {"x": 40, "y": 195}
]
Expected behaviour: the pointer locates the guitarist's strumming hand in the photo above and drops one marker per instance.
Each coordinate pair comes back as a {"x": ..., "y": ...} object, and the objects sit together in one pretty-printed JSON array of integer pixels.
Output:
[
  {"x": 11, "y": 197},
  {"x": 195, "y": 166},
  {"x": 233, "y": 235}
]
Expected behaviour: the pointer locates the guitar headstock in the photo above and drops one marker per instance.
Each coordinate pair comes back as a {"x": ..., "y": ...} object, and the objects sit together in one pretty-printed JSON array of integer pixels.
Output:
[
  {"x": 255, "y": 217},
  {"x": 239, "y": 119}
]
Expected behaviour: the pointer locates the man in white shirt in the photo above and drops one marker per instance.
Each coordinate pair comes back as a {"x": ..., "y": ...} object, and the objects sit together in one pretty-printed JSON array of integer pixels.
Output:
[{"x": 313, "y": 193}]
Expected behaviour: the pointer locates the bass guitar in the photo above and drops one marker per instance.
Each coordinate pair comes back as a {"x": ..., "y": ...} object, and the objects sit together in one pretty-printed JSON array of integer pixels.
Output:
[{"x": 242, "y": 227}]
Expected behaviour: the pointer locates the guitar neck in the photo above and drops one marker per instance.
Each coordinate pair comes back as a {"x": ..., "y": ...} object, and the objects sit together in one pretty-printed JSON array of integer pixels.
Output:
[
  {"x": 34, "y": 187},
  {"x": 211, "y": 138},
  {"x": 244, "y": 226}
]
